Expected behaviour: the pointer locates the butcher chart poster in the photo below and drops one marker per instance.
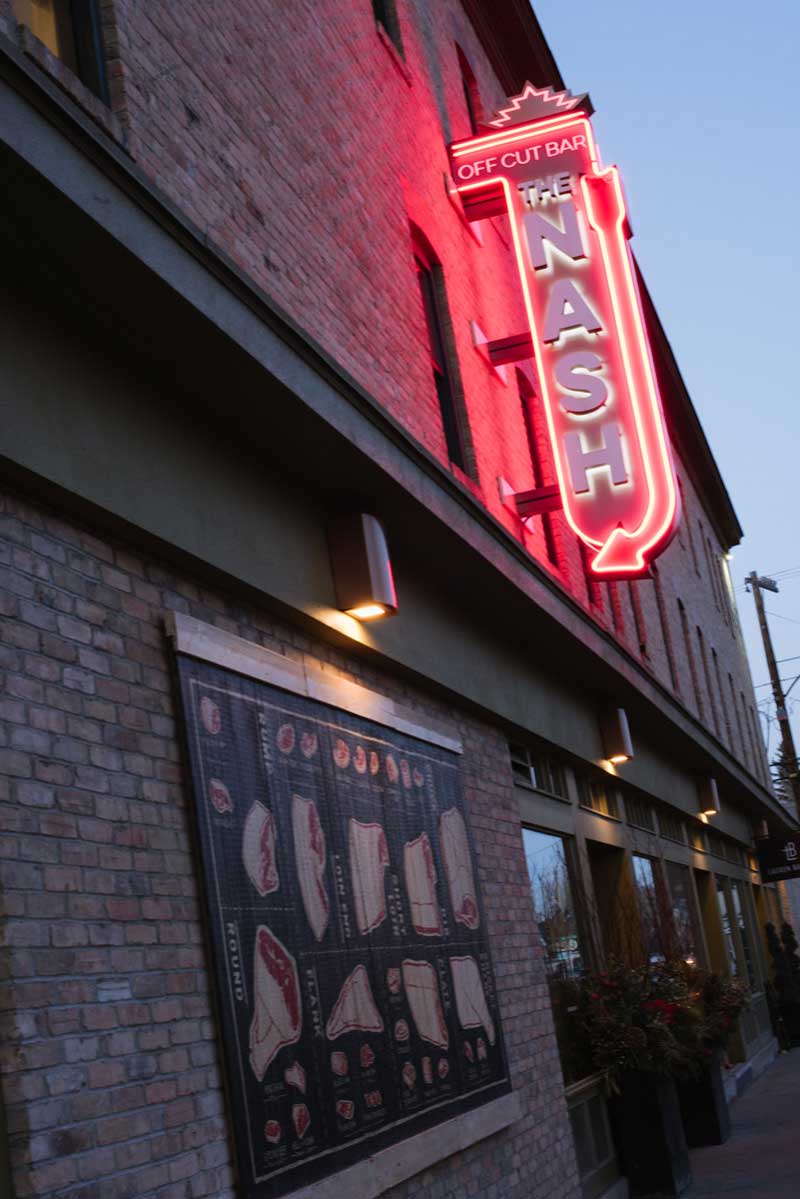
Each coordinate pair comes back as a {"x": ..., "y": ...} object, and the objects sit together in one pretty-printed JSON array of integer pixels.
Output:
[{"x": 356, "y": 992}]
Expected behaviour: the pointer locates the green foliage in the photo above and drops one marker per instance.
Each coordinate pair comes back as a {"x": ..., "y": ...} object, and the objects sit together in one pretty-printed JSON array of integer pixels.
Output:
[{"x": 663, "y": 1017}]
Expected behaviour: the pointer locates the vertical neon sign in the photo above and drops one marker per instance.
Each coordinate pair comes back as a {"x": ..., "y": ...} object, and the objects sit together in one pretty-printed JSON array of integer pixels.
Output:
[{"x": 596, "y": 378}]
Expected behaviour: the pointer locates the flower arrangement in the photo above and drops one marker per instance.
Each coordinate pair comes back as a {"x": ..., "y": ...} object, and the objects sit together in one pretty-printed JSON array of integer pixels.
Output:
[{"x": 664, "y": 1017}]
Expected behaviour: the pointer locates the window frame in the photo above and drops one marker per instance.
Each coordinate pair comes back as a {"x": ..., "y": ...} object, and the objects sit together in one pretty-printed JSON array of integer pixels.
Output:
[{"x": 86, "y": 60}]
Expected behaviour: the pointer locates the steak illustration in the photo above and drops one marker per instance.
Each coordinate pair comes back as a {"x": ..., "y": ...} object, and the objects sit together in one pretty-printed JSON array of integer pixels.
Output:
[
  {"x": 366, "y": 1056},
  {"x": 369, "y": 857},
  {"x": 301, "y": 1119},
  {"x": 373, "y": 1099},
  {"x": 308, "y": 744},
  {"x": 341, "y": 754},
  {"x": 272, "y": 1132},
  {"x": 427, "y": 1070},
  {"x": 393, "y": 980},
  {"x": 295, "y": 1077},
  {"x": 458, "y": 867},
  {"x": 392, "y": 772},
  {"x": 468, "y": 1051},
  {"x": 210, "y": 715},
  {"x": 258, "y": 849},
  {"x": 419, "y": 778},
  {"x": 345, "y": 1109},
  {"x": 360, "y": 759},
  {"x": 443, "y": 1067},
  {"x": 339, "y": 1063},
  {"x": 277, "y": 1019},
  {"x": 422, "y": 989},
  {"x": 401, "y": 1031},
  {"x": 310, "y": 858},
  {"x": 286, "y": 738},
  {"x": 482, "y": 1050},
  {"x": 420, "y": 875},
  {"x": 374, "y": 762},
  {"x": 354, "y": 1010},
  {"x": 405, "y": 772},
  {"x": 409, "y": 1075},
  {"x": 471, "y": 1005},
  {"x": 220, "y": 796}
]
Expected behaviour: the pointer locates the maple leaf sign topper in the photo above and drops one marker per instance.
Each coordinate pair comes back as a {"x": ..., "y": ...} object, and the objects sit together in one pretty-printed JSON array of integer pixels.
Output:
[{"x": 537, "y": 162}]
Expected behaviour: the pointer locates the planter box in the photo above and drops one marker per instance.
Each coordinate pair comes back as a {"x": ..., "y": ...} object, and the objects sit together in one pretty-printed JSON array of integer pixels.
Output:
[
  {"x": 647, "y": 1118},
  {"x": 704, "y": 1107}
]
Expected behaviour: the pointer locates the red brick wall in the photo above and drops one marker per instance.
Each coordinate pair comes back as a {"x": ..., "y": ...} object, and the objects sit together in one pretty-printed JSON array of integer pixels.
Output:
[{"x": 110, "y": 1062}]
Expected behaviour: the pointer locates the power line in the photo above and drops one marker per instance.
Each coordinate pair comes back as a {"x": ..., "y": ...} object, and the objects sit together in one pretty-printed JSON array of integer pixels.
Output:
[{"x": 790, "y": 619}]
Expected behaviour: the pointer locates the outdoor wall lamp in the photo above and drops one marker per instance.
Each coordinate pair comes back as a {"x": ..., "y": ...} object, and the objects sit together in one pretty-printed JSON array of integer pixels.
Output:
[
  {"x": 616, "y": 734},
  {"x": 362, "y": 569},
  {"x": 709, "y": 798}
]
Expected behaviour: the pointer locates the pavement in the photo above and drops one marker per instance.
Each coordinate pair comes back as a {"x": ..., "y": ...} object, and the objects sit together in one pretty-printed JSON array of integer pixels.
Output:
[{"x": 762, "y": 1158}]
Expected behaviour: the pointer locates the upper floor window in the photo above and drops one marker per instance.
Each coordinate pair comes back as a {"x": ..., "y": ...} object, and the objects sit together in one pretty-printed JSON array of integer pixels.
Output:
[
  {"x": 71, "y": 30},
  {"x": 528, "y": 400},
  {"x": 385, "y": 13},
  {"x": 431, "y": 286},
  {"x": 537, "y": 771},
  {"x": 472, "y": 97}
]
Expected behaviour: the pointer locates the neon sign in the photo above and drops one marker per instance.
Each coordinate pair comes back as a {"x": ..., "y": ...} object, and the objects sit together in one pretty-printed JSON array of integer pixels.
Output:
[{"x": 587, "y": 334}]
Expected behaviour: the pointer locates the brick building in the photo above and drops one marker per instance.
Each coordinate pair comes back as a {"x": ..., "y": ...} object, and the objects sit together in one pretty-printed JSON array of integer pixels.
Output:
[{"x": 240, "y": 297}]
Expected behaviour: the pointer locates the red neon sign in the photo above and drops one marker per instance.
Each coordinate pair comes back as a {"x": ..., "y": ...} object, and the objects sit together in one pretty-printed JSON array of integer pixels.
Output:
[{"x": 596, "y": 378}]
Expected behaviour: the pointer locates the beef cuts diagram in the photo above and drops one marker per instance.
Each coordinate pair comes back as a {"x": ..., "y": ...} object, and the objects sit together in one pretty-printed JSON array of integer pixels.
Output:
[{"x": 356, "y": 993}]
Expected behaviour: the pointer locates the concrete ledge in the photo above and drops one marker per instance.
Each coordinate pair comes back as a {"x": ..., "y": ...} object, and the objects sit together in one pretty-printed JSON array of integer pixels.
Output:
[
  {"x": 376, "y": 1174},
  {"x": 738, "y": 1080},
  {"x": 617, "y": 1190}
]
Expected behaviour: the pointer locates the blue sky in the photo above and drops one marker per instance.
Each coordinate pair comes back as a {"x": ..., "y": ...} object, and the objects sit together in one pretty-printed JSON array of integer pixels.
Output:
[{"x": 697, "y": 104}]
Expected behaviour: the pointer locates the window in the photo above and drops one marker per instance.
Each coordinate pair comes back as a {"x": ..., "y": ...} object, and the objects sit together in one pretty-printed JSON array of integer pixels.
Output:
[
  {"x": 385, "y": 14},
  {"x": 726, "y": 716},
  {"x": 71, "y": 30},
  {"x": 665, "y": 630},
  {"x": 706, "y": 673},
  {"x": 639, "y": 813},
  {"x": 697, "y": 838},
  {"x": 538, "y": 772},
  {"x": 593, "y": 592},
  {"x": 638, "y": 618},
  {"x": 649, "y": 908},
  {"x": 472, "y": 97},
  {"x": 595, "y": 796},
  {"x": 617, "y": 618},
  {"x": 431, "y": 286},
  {"x": 527, "y": 400},
  {"x": 557, "y": 920},
  {"x": 684, "y": 920},
  {"x": 671, "y": 826},
  {"x": 734, "y": 705},
  {"x": 687, "y": 641},
  {"x": 727, "y": 931}
]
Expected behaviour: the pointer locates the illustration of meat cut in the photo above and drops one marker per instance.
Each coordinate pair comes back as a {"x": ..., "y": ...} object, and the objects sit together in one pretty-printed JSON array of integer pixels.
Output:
[
  {"x": 422, "y": 989},
  {"x": 295, "y": 1077},
  {"x": 220, "y": 796},
  {"x": 471, "y": 1005},
  {"x": 369, "y": 857},
  {"x": 458, "y": 867},
  {"x": 310, "y": 858},
  {"x": 301, "y": 1119},
  {"x": 339, "y": 1063},
  {"x": 272, "y": 1132},
  {"x": 360, "y": 759},
  {"x": 210, "y": 715},
  {"x": 286, "y": 738},
  {"x": 345, "y": 1109},
  {"x": 354, "y": 1010},
  {"x": 277, "y": 1019},
  {"x": 308, "y": 744},
  {"x": 420, "y": 875},
  {"x": 258, "y": 849}
]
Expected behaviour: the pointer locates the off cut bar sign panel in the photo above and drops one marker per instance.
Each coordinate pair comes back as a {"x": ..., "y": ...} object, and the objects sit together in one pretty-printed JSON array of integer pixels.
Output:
[
  {"x": 356, "y": 991},
  {"x": 595, "y": 375}
]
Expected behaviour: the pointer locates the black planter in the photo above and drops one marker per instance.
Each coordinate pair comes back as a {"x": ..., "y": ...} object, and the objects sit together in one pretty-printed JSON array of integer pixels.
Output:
[
  {"x": 790, "y": 1012},
  {"x": 704, "y": 1107},
  {"x": 649, "y": 1129}
]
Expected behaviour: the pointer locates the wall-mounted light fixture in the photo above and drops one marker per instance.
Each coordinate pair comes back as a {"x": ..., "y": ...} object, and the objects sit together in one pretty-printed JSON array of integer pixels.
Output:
[
  {"x": 362, "y": 569},
  {"x": 709, "y": 797},
  {"x": 616, "y": 733}
]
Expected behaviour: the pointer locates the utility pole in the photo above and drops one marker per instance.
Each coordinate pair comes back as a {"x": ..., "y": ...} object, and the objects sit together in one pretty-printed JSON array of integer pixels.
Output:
[{"x": 759, "y": 583}]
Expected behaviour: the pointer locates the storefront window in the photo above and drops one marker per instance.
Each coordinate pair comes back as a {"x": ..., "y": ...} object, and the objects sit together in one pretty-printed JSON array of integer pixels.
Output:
[
  {"x": 727, "y": 932},
  {"x": 554, "y": 906},
  {"x": 682, "y": 905},
  {"x": 738, "y": 910},
  {"x": 647, "y": 893}
]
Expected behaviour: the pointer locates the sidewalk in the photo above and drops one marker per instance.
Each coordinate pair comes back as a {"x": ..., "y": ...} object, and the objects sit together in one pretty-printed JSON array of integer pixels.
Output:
[{"x": 762, "y": 1158}]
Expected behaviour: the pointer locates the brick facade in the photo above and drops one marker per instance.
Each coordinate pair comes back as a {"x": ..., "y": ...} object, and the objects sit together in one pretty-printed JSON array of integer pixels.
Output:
[{"x": 110, "y": 1060}]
